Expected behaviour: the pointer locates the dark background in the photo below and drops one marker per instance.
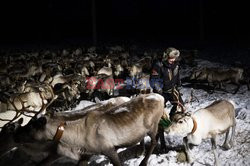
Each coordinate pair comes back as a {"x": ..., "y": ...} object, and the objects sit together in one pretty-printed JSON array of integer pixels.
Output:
[{"x": 190, "y": 23}]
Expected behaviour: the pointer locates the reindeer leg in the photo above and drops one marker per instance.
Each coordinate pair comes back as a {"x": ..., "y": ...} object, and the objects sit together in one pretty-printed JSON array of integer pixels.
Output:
[
  {"x": 160, "y": 135},
  {"x": 113, "y": 156},
  {"x": 215, "y": 85},
  {"x": 209, "y": 90},
  {"x": 226, "y": 142},
  {"x": 237, "y": 89},
  {"x": 232, "y": 136},
  {"x": 187, "y": 150},
  {"x": 152, "y": 135},
  {"x": 142, "y": 146},
  {"x": 214, "y": 147}
]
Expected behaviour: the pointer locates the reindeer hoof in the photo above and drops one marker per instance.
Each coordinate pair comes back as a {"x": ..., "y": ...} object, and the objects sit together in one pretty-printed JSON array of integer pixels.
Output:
[
  {"x": 181, "y": 157},
  {"x": 226, "y": 146},
  {"x": 143, "y": 164}
]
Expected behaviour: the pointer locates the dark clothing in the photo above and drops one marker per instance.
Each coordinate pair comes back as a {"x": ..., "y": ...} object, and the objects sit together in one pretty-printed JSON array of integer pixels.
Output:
[
  {"x": 169, "y": 73},
  {"x": 165, "y": 79}
]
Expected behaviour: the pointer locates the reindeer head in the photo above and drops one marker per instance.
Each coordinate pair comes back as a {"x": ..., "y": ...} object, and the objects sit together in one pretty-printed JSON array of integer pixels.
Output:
[
  {"x": 10, "y": 128},
  {"x": 182, "y": 124},
  {"x": 31, "y": 131}
]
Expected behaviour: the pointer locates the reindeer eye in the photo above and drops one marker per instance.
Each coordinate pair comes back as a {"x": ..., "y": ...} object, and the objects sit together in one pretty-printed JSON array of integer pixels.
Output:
[{"x": 180, "y": 121}]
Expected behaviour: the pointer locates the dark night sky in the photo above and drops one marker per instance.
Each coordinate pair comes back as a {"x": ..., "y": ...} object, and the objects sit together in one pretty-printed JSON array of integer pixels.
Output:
[{"x": 30, "y": 21}]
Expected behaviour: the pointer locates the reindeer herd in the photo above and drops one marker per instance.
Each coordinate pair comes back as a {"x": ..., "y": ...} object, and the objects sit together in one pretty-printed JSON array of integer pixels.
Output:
[{"x": 38, "y": 90}]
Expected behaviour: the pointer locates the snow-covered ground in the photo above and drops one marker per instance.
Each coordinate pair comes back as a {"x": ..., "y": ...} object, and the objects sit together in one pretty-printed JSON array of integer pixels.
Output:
[{"x": 238, "y": 155}]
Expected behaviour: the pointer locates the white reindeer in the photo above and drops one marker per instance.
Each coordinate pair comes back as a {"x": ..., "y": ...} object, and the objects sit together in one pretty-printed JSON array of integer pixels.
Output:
[{"x": 217, "y": 118}]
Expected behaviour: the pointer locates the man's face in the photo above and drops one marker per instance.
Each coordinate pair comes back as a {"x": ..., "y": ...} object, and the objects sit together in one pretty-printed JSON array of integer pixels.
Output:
[{"x": 171, "y": 60}]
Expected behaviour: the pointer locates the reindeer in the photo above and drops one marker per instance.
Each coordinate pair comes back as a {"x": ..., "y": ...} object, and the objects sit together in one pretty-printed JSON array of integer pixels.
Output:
[
  {"x": 208, "y": 122},
  {"x": 99, "y": 132},
  {"x": 8, "y": 130},
  {"x": 26, "y": 105},
  {"x": 217, "y": 76}
]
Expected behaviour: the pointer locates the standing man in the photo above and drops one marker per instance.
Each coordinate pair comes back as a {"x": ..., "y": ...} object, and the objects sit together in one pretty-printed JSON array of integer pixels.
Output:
[{"x": 165, "y": 78}]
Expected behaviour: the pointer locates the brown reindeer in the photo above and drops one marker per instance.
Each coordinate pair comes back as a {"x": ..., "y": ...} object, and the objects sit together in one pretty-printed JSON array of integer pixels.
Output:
[
  {"x": 100, "y": 132},
  {"x": 217, "y": 76}
]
